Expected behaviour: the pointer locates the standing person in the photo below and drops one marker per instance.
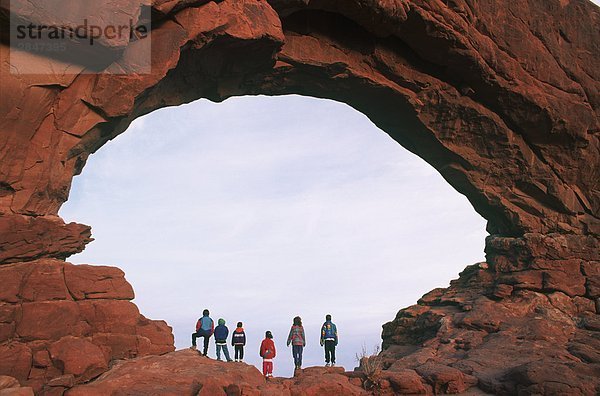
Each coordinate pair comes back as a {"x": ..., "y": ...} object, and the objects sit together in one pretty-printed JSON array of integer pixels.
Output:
[
  {"x": 298, "y": 341},
  {"x": 329, "y": 339},
  {"x": 268, "y": 352},
  {"x": 238, "y": 340},
  {"x": 221, "y": 333},
  {"x": 205, "y": 327}
]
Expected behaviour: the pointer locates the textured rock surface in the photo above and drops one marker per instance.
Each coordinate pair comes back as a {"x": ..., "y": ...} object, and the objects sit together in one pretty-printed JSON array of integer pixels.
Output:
[
  {"x": 9, "y": 386},
  {"x": 509, "y": 117},
  {"x": 62, "y": 324},
  {"x": 187, "y": 373},
  {"x": 501, "y": 97},
  {"x": 523, "y": 340}
]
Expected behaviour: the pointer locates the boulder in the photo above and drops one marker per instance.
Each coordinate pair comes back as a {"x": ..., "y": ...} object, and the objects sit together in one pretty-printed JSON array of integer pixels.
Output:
[
  {"x": 97, "y": 282},
  {"x": 15, "y": 361},
  {"x": 78, "y": 357},
  {"x": 444, "y": 379}
]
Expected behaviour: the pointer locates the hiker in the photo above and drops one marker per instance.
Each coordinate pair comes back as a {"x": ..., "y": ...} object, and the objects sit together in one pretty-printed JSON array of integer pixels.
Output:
[
  {"x": 221, "y": 333},
  {"x": 238, "y": 340},
  {"x": 267, "y": 352},
  {"x": 298, "y": 341},
  {"x": 205, "y": 327},
  {"x": 329, "y": 339}
]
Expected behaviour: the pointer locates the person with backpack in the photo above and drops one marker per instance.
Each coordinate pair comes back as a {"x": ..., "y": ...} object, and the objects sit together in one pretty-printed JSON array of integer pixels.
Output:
[
  {"x": 238, "y": 340},
  {"x": 298, "y": 341},
  {"x": 221, "y": 333},
  {"x": 329, "y": 339},
  {"x": 205, "y": 327},
  {"x": 268, "y": 353}
]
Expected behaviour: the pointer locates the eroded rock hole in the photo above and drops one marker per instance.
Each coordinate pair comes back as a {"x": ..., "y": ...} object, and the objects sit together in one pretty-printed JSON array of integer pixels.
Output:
[{"x": 264, "y": 208}]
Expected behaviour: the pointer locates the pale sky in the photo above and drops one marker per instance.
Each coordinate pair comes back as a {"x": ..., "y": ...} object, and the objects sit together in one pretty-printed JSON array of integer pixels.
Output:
[{"x": 264, "y": 208}]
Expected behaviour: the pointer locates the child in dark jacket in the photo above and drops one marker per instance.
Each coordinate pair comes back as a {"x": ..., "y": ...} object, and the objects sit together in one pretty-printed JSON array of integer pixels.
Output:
[
  {"x": 221, "y": 333},
  {"x": 238, "y": 340},
  {"x": 267, "y": 352}
]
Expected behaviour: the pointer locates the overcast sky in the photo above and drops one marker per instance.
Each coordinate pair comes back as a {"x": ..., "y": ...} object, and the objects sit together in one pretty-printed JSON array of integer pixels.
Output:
[{"x": 264, "y": 208}]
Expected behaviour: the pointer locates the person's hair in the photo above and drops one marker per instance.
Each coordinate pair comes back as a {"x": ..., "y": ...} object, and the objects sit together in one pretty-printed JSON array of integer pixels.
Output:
[
  {"x": 205, "y": 312},
  {"x": 327, "y": 317},
  {"x": 268, "y": 334},
  {"x": 298, "y": 321},
  {"x": 239, "y": 324}
]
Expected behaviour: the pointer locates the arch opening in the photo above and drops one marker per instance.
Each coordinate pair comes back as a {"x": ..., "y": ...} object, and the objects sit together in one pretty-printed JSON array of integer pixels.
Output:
[{"x": 262, "y": 208}]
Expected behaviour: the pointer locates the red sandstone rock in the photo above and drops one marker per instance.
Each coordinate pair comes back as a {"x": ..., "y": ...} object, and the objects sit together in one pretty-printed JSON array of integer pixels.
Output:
[
  {"x": 47, "y": 320},
  {"x": 8, "y": 382},
  {"x": 21, "y": 391},
  {"x": 15, "y": 360},
  {"x": 24, "y": 238},
  {"x": 79, "y": 357},
  {"x": 541, "y": 378},
  {"x": 407, "y": 382},
  {"x": 323, "y": 381},
  {"x": 501, "y": 98},
  {"x": 445, "y": 379},
  {"x": 96, "y": 282},
  {"x": 45, "y": 333},
  {"x": 182, "y": 372},
  {"x": 187, "y": 373}
]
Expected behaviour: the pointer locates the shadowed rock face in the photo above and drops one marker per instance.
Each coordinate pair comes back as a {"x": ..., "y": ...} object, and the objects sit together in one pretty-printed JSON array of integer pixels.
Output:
[{"x": 500, "y": 97}]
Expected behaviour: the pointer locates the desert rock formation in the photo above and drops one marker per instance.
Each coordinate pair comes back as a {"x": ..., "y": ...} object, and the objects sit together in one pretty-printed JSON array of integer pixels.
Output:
[{"x": 501, "y": 97}]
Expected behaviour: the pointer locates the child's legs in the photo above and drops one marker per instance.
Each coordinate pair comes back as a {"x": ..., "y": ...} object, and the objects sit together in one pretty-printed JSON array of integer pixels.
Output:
[
  {"x": 219, "y": 351},
  {"x": 297, "y": 353},
  {"x": 267, "y": 367},
  {"x": 239, "y": 352},
  {"x": 206, "y": 341},
  {"x": 330, "y": 351},
  {"x": 226, "y": 352},
  {"x": 294, "y": 354}
]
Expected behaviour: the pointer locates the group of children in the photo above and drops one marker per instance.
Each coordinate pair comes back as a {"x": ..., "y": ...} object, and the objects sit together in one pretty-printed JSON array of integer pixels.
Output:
[{"x": 205, "y": 328}]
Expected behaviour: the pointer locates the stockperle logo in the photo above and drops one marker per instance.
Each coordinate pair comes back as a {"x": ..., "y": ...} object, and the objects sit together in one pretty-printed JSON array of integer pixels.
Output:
[{"x": 80, "y": 36}]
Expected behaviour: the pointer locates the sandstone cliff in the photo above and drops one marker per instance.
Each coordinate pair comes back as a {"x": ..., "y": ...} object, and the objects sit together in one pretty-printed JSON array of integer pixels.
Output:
[{"x": 501, "y": 97}]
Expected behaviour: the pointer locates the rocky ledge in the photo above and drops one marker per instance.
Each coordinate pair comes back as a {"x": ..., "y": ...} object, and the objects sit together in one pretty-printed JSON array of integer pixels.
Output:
[
  {"x": 63, "y": 324},
  {"x": 185, "y": 372}
]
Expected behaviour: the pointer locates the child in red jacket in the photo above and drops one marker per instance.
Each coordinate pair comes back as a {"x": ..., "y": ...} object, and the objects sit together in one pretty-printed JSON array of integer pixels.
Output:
[{"x": 267, "y": 352}]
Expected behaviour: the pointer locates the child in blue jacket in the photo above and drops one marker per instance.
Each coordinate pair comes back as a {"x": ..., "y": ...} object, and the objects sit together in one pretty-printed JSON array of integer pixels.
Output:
[
  {"x": 221, "y": 333},
  {"x": 204, "y": 328}
]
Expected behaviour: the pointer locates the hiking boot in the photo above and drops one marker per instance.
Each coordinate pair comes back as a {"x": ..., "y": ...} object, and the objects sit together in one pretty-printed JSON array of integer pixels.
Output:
[
  {"x": 327, "y": 365},
  {"x": 193, "y": 347},
  {"x": 332, "y": 364}
]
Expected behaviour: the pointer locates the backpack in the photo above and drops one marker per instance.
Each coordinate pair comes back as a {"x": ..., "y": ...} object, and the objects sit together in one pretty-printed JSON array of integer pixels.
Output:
[{"x": 329, "y": 330}]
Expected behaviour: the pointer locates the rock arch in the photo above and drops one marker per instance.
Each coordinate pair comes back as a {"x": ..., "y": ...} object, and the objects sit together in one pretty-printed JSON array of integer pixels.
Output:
[{"x": 500, "y": 97}]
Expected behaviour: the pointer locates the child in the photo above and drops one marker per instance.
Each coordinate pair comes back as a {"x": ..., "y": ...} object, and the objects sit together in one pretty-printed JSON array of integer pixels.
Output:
[
  {"x": 221, "y": 333},
  {"x": 267, "y": 352},
  {"x": 204, "y": 328},
  {"x": 238, "y": 340},
  {"x": 298, "y": 341},
  {"x": 329, "y": 339}
]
